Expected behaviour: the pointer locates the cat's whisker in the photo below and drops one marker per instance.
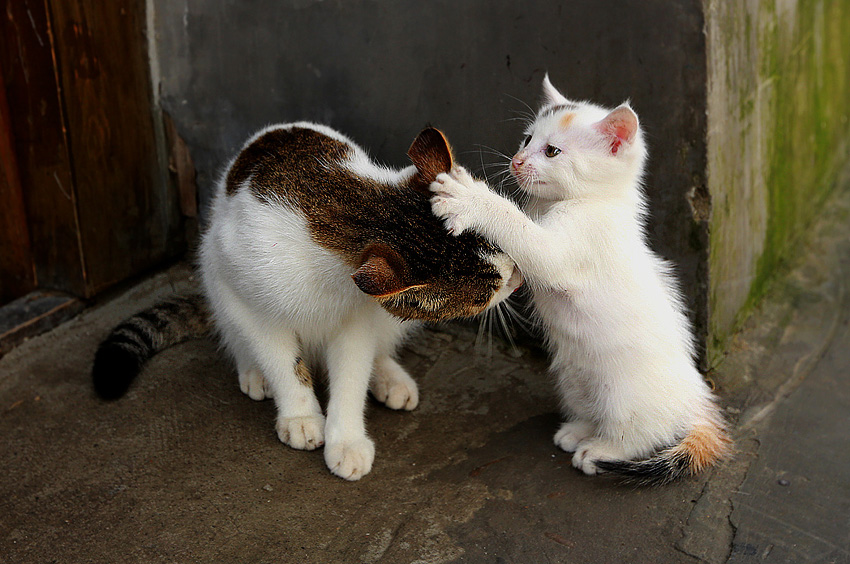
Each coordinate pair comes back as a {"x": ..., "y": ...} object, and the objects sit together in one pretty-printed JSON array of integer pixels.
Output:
[
  {"x": 519, "y": 318},
  {"x": 506, "y": 329}
]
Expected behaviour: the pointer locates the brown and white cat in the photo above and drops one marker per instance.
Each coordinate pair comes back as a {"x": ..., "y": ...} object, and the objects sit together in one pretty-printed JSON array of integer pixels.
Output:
[{"x": 314, "y": 255}]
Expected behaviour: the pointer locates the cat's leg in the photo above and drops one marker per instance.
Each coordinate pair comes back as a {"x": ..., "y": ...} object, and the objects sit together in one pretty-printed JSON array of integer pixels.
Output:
[
  {"x": 572, "y": 433},
  {"x": 277, "y": 362},
  {"x": 392, "y": 385},
  {"x": 300, "y": 423},
  {"x": 349, "y": 453},
  {"x": 251, "y": 380}
]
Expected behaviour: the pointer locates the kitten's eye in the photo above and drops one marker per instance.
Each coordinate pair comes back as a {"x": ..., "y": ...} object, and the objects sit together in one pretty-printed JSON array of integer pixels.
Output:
[
  {"x": 526, "y": 141},
  {"x": 552, "y": 151}
]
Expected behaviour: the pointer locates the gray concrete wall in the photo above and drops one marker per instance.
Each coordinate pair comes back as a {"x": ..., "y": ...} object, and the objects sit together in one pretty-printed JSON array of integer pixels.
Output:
[{"x": 380, "y": 71}]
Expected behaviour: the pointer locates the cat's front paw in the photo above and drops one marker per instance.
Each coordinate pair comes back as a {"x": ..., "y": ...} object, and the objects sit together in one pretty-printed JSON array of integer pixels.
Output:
[
  {"x": 572, "y": 433},
  {"x": 304, "y": 433},
  {"x": 591, "y": 451},
  {"x": 253, "y": 385},
  {"x": 393, "y": 386},
  {"x": 350, "y": 460}
]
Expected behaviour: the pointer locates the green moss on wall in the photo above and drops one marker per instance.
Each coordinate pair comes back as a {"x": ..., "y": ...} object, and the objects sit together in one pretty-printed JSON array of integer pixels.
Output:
[
  {"x": 809, "y": 114},
  {"x": 778, "y": 135}
]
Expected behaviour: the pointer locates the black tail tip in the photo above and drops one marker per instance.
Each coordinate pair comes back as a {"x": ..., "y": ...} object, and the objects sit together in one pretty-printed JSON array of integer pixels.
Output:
[
  {"x": 653, "y": 472},
  {"x": 114, "y": 370}
]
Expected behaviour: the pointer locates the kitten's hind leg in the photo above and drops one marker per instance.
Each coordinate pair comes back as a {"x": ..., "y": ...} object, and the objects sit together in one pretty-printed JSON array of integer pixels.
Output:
[
  {"x": 572, "y": 433},
  {"x": 592, "y": 450},
  {"x": 392, "y": 385}
]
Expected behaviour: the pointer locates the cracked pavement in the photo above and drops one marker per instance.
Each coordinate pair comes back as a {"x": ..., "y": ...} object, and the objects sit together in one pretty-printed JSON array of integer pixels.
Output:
[{"x": 186, "y": 468}]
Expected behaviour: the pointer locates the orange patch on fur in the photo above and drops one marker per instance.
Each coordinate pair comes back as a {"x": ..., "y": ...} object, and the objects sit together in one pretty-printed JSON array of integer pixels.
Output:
[
  {"x": 567, "y": 119},
  {"x": 705, "y": 445}
]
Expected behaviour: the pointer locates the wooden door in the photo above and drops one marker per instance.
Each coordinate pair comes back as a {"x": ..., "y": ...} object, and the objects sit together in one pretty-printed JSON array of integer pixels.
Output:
[{"x": 94, "y": 195}]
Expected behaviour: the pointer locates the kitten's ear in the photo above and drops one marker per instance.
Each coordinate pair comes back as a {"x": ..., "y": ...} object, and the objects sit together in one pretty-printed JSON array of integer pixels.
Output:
[
  {"x": 620, "y": 127},
  {"x": 431, "y": 155},
  {"x": 382, "y": 271},
  {"x": 551, "y": 96}
]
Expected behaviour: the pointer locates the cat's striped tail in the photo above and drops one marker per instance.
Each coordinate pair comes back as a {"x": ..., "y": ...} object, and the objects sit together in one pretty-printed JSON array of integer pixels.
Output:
[
  {"x": 120, "y": 357},
  {"x": 704, "y": 446}
]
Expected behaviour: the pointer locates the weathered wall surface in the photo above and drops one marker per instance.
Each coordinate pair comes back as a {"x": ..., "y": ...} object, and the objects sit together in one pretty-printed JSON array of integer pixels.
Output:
[
  {"x": 778, "y": 131},
  {"x": 380, "y": 71}
]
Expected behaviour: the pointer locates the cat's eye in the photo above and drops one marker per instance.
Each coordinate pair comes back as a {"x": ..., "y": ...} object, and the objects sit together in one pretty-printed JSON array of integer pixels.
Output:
[
  {"x": 526, "y": 141},
  {"x": 552, "y": 151}
]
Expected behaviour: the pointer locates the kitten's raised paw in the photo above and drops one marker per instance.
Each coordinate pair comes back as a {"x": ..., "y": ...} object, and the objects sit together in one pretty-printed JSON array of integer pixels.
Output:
[
  {"x": 303, "y": 433},
  {"x": 451, "y": 211},
  {"x": 590, "y": 451},
  {"x": 253, "y": 385},
  {"x": 394, "y": 387},
  {"x": 350, "y": 459},
  {"x": 572, "y": 433}
]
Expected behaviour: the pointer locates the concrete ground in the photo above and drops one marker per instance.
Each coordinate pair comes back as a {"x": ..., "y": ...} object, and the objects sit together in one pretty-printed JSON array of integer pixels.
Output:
[{"x": 186, "y": 468}]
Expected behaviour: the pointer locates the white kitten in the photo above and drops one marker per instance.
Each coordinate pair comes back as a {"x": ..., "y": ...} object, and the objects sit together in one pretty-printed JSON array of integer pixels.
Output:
[{"x": 620, "y": 341}]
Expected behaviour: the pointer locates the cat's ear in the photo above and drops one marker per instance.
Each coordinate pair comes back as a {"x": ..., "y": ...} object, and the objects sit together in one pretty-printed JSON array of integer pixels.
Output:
[
  {"x": 382, "y": 271},
  {"x": 620, "y": 128},
  {"x": 551, "y": 96},
  {"x": 431, "y": 155}
]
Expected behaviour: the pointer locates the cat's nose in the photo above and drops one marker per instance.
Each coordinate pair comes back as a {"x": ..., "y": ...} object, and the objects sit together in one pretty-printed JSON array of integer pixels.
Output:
[{"x": 516, "y": 162}]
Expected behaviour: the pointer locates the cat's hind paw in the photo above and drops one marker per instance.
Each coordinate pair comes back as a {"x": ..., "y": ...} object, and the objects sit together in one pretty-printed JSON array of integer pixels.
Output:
[
  {"x": 303, "y": 433},
  {"x": 591, "y": 451},
  {"x": 350, "y": 460},
  {"x": 253, "y": 385},
  {"x": 572, "y": 433}
]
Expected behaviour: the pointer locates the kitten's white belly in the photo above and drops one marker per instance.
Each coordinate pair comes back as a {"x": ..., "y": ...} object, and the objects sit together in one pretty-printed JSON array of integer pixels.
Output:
[{"x": 614, "y": 357}]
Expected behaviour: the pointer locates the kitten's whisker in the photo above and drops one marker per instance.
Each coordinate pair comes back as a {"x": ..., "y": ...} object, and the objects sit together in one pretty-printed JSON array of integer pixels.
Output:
[
  {"x": 531, "y": 111},
  {"x": 492, "y": 151}
]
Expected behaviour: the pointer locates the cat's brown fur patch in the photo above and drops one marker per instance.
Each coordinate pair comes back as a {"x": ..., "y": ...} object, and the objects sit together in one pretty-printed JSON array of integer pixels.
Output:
[
  {"x": 439, "y": 275},
  {"x": 302, "y": 372}
]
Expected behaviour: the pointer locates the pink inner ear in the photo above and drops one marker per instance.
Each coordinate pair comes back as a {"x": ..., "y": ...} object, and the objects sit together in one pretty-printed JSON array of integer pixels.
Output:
[{"x": 621, "y": 125}]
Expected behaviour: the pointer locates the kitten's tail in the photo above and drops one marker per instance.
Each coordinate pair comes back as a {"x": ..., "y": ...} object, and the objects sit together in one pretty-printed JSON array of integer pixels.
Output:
[
  {"x": 120, "y": 357},
  {"x": 705, "y": 445}
]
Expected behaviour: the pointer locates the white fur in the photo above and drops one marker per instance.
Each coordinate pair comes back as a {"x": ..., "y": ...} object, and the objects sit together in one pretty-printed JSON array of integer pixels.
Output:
[
  {"x": 616, "y": 328},
  {"x": 276, "y": 295}
]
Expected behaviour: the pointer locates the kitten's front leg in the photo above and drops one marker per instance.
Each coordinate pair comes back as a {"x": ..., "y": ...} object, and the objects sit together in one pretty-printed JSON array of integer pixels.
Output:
[{"x": 460, "y": 200}]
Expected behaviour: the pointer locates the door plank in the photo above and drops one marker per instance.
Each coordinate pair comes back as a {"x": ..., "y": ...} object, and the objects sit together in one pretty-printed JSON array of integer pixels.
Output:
[
  {"x": 27, "y": 63},
  {"x": 129, "y": 216},
  {"x": 16, "y": 267}
]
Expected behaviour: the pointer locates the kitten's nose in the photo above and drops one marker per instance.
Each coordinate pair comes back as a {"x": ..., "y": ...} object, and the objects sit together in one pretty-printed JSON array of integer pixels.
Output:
[{"x": 516, "y": 162}]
